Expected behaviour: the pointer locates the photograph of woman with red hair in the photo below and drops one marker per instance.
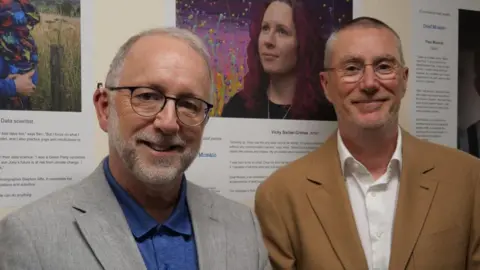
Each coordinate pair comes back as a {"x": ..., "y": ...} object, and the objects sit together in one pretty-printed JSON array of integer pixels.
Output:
[{"x": 267, "y": 55}]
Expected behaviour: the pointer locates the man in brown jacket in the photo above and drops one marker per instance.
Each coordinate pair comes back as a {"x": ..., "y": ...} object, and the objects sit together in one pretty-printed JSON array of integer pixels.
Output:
[{"x": 373, "y": 196}]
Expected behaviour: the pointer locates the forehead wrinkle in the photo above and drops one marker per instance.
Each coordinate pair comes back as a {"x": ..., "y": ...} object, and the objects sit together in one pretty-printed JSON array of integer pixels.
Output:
[
  {"x": 132, "y": 76},
  {"x": 133, "y": 70},
  {"x": 344, "y": 39},
  {"x": 165, "y": 50},
  {"x": 170, "y": 65},
  {"x": 361, "y": 58}
]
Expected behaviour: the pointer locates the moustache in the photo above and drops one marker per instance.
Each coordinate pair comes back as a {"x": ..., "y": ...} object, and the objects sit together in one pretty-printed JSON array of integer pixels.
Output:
[
  {"x": 368, "y": 100},
  {"x": 161, "y": 140}
]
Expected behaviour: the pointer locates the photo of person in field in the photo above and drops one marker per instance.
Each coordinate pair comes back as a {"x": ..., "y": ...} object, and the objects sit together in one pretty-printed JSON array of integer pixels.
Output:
[
  {"x": 18, "y": 53},
  {"x": 40, "y": 55}
]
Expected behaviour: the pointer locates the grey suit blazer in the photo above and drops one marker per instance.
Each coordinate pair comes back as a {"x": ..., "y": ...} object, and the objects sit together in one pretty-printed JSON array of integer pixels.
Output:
[{"x": 83, "y": 227}]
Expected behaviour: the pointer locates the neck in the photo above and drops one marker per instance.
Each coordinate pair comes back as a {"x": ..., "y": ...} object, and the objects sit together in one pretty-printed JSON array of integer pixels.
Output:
[
  {"x": 373, "y": 148},
  {"x": 157, "y": 200},
  {"x": 281, "y": 89}
]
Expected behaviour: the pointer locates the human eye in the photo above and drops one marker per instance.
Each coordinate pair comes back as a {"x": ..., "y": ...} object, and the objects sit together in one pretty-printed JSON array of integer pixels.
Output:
[
  {"x": 352, "y": 68},
  {"x": 265, "y": 28},
  {"x": 191, "y": 106},
  {"x": 282, "y": 31},
  {"x": 146, "y": 94},
  {"x": 385, "y": 67}
]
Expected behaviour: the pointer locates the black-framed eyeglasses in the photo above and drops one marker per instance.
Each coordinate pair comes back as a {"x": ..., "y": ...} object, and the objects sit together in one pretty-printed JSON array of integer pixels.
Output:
[
  {"x": 353, "y": 71},
  {"x": 147, "y": 101}
]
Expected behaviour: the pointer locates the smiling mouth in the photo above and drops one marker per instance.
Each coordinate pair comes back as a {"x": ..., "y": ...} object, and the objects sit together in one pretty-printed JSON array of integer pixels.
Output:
[
  {"x": 370, "y": 101},
  {"x": 163, "y": 147},
  {"x": 271, "y": 56},
  {"x": 369, "y": 106}
]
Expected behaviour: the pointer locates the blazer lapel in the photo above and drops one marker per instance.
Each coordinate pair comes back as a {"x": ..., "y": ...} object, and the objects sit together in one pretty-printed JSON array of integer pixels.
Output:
[
  {"x": 417, "y": 189},
  {"x": 210, "y": 235},
  {"x": 101, "y": 221},
  {"x": 329, "y": 199}
]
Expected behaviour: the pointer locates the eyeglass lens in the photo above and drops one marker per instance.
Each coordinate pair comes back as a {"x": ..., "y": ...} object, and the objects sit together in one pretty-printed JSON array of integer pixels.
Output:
[
  {"x": 353, "y": 72},
  {"x": 148, "y": 102}
]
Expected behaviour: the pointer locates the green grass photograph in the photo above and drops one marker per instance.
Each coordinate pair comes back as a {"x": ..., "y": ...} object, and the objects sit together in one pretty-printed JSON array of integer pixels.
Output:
[{"x": 57, "y": 37}]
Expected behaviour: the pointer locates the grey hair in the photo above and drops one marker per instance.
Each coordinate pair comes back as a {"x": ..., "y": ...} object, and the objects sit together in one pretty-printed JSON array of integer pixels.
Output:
[
  {"x": 194, "y": 41},
  {"x": 365, "y": 22}
]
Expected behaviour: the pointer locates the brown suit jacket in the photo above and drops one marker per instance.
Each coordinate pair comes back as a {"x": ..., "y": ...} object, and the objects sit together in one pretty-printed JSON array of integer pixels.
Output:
[{"x": 308, "y": 223}]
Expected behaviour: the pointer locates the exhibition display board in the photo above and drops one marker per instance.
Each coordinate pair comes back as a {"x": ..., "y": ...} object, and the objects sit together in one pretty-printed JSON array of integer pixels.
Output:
[
  {"x": 252, "y": 131},
  {"x": 445, "y": 63},
  {"x": 51, "y": 139},
  {"x": 46, "y": 131}
]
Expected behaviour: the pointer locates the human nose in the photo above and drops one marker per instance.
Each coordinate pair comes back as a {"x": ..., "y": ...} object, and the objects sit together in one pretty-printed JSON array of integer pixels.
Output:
[
  {"x": 369, "y": 78},
  {"x": 269, "y": 39},
  {"x": 166, "y": 119}
]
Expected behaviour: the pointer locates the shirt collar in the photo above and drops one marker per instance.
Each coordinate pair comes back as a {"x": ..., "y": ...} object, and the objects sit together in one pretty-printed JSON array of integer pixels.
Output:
[
  {"x": 345, "y": 154},
  {"x": 139, "y": 220}
]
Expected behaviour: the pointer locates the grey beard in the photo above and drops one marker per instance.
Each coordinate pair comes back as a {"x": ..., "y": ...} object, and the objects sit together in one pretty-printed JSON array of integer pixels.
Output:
[{"x": 160, "y": 171}]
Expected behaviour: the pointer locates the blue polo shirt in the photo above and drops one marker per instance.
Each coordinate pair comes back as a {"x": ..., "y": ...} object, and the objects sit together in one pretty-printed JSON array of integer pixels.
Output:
[{"x": 170, "y": 245}]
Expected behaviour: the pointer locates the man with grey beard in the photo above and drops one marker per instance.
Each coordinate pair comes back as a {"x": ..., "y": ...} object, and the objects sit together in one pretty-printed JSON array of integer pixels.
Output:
[{"x": 137, "y": 210}]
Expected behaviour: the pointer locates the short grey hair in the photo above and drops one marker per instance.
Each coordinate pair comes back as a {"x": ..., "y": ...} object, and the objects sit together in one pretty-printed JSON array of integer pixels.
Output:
[
  {"x": 194, "y": 41},
  {"x": 365, "y": 22}
]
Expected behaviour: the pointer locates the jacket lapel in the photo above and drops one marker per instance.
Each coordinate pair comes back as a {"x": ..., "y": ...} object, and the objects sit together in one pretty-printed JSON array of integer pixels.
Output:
[
  {"x": 329, "y": 199},
  {"x": 417, "y": 190},
  {"x": 210, "y": 237},
  {"x": 101, "y": 221}
]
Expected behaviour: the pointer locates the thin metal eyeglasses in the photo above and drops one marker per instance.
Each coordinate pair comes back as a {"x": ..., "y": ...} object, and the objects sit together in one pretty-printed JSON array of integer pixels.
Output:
[
  {"x": 147, "y": 101},
  {"x": 353, "y": 71}
]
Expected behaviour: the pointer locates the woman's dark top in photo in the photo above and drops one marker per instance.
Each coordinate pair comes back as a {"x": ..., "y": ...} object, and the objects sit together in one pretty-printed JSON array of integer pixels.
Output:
[{"x": 236, "y": 108}]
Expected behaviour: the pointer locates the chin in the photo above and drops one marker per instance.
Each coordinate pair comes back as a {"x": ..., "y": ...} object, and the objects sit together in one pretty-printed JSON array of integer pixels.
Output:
[
  {"x": 271, "y": 69},
  {"x": 371, "y": 123},
  {"x": 154, "y": 170},
  {"x": 372, "y": 126},
  {"x": 371, "y": 120},
  {"x": 157, "y": 175}
]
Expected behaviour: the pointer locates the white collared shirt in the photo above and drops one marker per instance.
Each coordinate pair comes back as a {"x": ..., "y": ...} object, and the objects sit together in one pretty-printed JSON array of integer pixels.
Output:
[{"x": 373, "y": 203}]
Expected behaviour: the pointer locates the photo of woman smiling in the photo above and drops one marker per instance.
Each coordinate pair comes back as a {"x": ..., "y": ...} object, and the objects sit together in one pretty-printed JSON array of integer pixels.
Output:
[{"x": 284, "y": 57}]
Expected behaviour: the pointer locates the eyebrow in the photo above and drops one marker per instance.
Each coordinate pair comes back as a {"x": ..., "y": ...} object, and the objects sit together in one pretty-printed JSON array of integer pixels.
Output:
[
  {"x": 351, "y": 58},
  {"x": 385, "y": 57},
  {"x": 277, "y": 24},
  {"x": 358, "y": 58},
  {"x": 185, "y": 92}
]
